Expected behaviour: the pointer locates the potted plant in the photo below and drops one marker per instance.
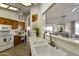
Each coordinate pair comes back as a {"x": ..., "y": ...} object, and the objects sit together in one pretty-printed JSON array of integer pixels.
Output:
[{"x": 37, "y": 31}]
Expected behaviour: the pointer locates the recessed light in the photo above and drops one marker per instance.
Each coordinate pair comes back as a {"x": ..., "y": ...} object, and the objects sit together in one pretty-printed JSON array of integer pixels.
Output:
[
  {"x": 26, "y": 4},
  {"x": 3, "y": 5},
  {"x": 13, "y": 8}
]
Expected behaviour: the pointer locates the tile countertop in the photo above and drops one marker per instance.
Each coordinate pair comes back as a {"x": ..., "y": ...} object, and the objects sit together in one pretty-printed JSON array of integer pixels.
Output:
[
  {"x": 40, "y": 47},
  {"x": 70, "y": 40},
  {"x": 71, "y": 45},
  {"x": 19, "y": 34}
]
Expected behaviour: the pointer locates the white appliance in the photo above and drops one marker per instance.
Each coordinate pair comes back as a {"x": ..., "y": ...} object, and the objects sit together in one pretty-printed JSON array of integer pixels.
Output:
[{"x": 6, "y": 37}]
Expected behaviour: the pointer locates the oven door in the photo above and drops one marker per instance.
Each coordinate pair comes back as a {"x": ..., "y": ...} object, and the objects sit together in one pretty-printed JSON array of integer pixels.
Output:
[
  {"x": 2, "y": 43},
  {"x": 8, "y": 39}
]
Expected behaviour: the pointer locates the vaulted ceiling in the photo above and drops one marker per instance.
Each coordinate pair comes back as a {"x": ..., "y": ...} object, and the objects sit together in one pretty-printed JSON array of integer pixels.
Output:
[{"x": 62, "y": 12}]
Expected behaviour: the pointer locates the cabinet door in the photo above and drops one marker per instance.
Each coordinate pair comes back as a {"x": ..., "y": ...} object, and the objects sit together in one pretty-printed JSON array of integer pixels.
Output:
[
  {"x": 8, "y": 22},
  {"x": 22, "y": 25},
  {"x": 14, "y": 24},
  {"x": 17, "y": 40},
  {"x": 19, "y": 23},
  {"x": 5, "y": 21},
  {"x": 2, "y": 21}
]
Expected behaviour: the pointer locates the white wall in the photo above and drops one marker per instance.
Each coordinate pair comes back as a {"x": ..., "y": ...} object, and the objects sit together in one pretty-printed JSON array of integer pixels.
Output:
[
  {"x": 68, "y": 27},
  {"x": 36, "y": 10},
  {"x": 39, "y": 9},
  {"x": 9, "y": 14}
]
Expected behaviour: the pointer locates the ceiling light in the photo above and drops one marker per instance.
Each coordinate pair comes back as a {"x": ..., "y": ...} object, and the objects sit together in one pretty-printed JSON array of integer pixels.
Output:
[
  {"x": 13, "y": 8},
  {"x": 26, "y": 4},
  {"x": 3, "y": 5},
  {"x": 74, "y": 9}
]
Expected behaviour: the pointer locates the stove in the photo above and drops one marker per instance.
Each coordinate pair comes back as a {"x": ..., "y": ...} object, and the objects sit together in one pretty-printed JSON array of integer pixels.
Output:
[{"x": 6, "y": 37}]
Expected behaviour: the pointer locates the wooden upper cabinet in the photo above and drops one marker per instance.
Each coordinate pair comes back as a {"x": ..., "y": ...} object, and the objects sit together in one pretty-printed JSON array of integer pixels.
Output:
[
  {"x": 22, "y": 25},
  {"x": 14, "y": 24},
  {"x": 2, "y": 21},
  {"x": 8, "y": 22},
  {"x": 19, "y": 23},
  {"x": 5, "y": 21}
]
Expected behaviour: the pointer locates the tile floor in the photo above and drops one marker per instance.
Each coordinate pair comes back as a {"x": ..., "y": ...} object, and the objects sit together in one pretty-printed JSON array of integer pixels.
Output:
[{"x": 19, "y": 50}]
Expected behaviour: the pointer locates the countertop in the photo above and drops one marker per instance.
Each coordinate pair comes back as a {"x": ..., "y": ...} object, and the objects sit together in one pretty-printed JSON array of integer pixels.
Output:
[{"x": 71, "y": 40}]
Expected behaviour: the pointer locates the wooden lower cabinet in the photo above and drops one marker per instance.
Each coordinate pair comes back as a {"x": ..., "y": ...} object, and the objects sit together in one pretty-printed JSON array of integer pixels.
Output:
[{"x": 17, "y": 40}]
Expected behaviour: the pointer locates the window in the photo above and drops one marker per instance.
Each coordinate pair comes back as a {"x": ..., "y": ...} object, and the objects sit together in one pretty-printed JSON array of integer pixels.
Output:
[
  {"x": 77, "y": 28},
  {"x": 48, "y": 29}
]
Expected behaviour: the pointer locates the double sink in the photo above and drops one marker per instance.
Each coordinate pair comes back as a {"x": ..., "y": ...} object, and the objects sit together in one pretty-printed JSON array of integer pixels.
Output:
[{"x": 40, "y": 47}]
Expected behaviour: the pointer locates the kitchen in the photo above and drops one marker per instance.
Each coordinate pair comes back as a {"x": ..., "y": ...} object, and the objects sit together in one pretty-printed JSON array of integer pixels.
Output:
[
  {"x": 39, "y": 29},
  {"x": 34, "y": 30},
  {"x": 14, "y": 24}
]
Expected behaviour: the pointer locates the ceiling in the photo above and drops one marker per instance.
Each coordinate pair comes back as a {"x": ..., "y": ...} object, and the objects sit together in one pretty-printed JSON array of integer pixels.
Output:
[
  {"x": 23, "y": 9},
  {"x": 62, "y": 12}
]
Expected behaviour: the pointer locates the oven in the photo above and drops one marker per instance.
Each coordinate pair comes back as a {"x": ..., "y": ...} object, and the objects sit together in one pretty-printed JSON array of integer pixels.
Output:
[{"x": 6, "y": 37}]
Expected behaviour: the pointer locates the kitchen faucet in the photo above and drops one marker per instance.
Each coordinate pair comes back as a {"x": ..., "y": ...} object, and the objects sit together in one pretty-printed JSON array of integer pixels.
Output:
[
  {"x": 44, "y": 34},
  {"x": 51, "y": 42}
]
